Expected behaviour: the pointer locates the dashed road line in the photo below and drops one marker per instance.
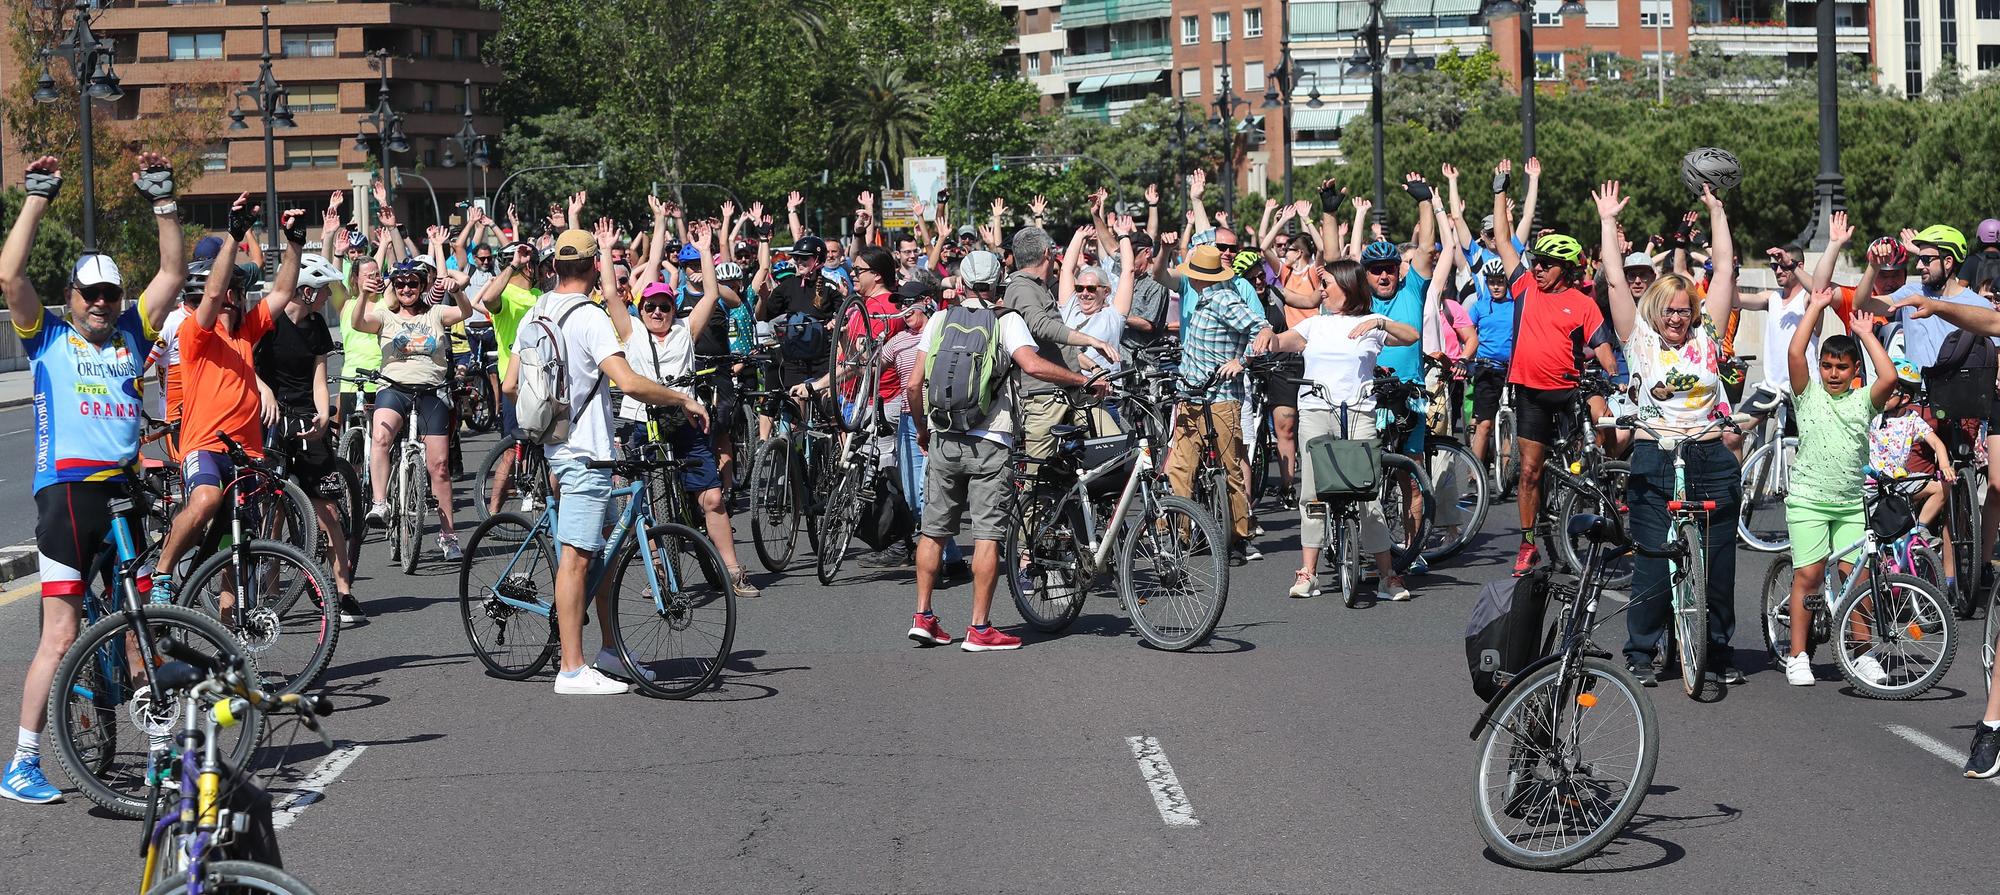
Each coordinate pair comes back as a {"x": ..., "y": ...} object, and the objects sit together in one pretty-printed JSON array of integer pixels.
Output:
[
  {"x": 1931, "y": 744},
  {"x": 1168, "y": 796},
  {"x": 310, "y": 791}
]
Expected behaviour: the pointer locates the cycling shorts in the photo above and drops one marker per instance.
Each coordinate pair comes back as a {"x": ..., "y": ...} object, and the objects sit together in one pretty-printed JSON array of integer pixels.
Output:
[
  {"x": 72, "y": 522},
  {"x": 210, "y": 468},
  {"x": 435, "y": 414},
  {"x": 311, "y": 464},
  {"x": 1536, "y": 410},
  {"x": 1488, "y": 385}
]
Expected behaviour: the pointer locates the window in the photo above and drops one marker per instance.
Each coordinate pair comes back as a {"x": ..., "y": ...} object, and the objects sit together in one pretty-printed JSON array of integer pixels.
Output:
[
  {"x": 194, "y": 46},
  {"x": 1948, "y": 29},
  {"x": 1253, "y": 23},
  {"x": 1190, "y": 30},
  {"x": 1604, "y": 67},
  {"x": 1656, "y": 13},
  {"x": 308, "y": 43},
  {"x": 1218, "y": 26},
  {"x": 1600, "y": 13},
  {"x": 312, "y": 153},
  {"x": 457, "y": 45},
  {"x": 1549, "y": 66},
  {"x": 1986, "y": 9},
  {"x": 1034, "y": 64},
  {"x": 1190, "y": 82},
  {"x": 215, "y": 157},
  {"x": 423, "y": 44},
  {"x": 1055, "y": 60},
  {"x": 316, "y": 98},
  {"x": 1989, "y": 57},
  {"x": 1913, "y": 48},
  {"x": 1253, "y": 76},
  {"x": 1652, "y": 64},
  {"x": 1547, "y": 14}
]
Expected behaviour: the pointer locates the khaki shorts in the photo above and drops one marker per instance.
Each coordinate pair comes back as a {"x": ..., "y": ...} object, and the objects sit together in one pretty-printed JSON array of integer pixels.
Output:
[{"x": 966, "y": 475}]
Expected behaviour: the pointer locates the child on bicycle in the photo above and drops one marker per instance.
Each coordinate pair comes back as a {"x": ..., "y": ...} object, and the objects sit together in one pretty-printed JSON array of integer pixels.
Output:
[
  {"x": 1823, "y": 510},
  {"x": 1904, "y": 442}
]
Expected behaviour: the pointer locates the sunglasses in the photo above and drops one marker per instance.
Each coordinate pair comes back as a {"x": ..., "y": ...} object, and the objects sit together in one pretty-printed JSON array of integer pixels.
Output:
[
  {"x": 1544, "y": 264},
  {"x": 654, "y": 307},
  {"x": 1926, "y": 259},
  {"x": 102, "y": 293},
  {"x": 1095, "y": 288},
  {"x": 1784, "y": 265},
  {"x": 1380, "y": 269},
  {"x": 1225, "y": 246},
  {"x": 407, "y": 283}
]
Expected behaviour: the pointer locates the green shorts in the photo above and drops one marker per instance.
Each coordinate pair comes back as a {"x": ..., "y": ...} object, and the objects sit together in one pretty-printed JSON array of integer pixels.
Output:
[{"x": 1817, "y": 529}]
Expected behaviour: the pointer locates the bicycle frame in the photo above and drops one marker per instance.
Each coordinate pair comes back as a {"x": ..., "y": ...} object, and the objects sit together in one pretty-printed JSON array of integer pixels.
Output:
[
  {"x": 1099, "y": 543},
  {"x": 638, "y": 514}
]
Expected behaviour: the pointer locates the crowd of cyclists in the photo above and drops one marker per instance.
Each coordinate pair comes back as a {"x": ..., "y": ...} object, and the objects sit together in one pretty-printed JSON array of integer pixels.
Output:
[{"x": 974, "y": 364}]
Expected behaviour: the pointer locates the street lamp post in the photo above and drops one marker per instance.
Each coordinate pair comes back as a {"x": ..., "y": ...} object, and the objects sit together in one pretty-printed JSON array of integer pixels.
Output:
[
  {"x": 1829, "y": 188},
  {"x": 1226, "y": 102},
  {"x": 467, "y": 141},
  {"x": 270, "y": 99},
  {"x": 384, "y": 118},
  {"x": 90, "y": 59},
  {"x": 1501, "y": 9},
  {"x": 1371, "y": 55},
  {"x": 1278, "y": 92}
]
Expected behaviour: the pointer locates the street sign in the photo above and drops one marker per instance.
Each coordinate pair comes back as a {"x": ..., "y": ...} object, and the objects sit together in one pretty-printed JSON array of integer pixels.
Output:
[
  {"x": 898, "y": 210},
  {"x": 926, "y": 177}
]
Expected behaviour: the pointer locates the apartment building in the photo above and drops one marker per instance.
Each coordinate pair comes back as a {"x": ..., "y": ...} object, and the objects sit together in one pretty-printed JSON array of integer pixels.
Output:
[
  {"x": 1038, "y": 47},
  {"x": 1334, "y": 77},
  {"x": 1609, "y": 34},
  {"x": 1913, "y": 38},
  {"x": 1227, "y": 53},
  {"x": 320, "y": 51}
]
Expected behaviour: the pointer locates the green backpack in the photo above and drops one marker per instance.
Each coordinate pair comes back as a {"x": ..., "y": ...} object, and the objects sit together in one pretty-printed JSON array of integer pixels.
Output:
[{"x": 964, "y": 368}]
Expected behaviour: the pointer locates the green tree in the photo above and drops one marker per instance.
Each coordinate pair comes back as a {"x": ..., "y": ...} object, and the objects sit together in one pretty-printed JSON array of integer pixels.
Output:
[
  {"x": 54, "y": 253},
  {"x": 881, "y": 119}
]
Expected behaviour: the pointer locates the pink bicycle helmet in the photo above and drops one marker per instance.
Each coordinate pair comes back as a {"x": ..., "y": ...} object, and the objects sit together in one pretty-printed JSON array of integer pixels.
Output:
[{"x": 1989, "y": 231}]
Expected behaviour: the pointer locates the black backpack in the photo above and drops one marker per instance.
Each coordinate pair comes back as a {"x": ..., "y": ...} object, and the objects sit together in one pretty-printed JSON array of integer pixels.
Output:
[
  {"x": 886, "y": 518},
  {"x": 1961, "y": 382},
  {"x": 1506, "y": 632}
]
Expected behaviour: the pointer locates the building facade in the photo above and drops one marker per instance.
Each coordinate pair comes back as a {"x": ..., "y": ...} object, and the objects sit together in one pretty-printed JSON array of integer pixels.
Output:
[
  {"x": 1038, "y": 47},
  {"x": 1600, "y": 43},
  {"x": 1913, "y": 38},
  {"x": 1226, "y": 59},
  {"x": 320, "y": 54}
]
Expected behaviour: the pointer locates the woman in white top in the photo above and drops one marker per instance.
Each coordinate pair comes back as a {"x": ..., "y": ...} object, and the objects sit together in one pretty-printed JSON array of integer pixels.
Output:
[
  {"x": 1340, "y": 348},
  {"x": 1676, "y": 362},
  {"x": 1092, "y": 307},
  {"x": 660, "y": 350}
]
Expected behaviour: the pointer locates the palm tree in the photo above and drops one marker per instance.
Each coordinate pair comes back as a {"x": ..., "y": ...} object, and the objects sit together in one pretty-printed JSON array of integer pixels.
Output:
[{"x": 881, "y": 118}]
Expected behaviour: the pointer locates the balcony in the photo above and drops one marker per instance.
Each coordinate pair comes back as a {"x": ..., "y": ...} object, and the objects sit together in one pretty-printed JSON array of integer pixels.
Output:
[
  {"x": 1083, "y": 13},
  {"x": 1157, "y": 50},
  {"x": 1776, "y": 38}
]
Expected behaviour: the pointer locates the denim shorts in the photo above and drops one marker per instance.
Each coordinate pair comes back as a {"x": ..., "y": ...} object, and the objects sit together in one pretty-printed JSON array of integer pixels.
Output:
[{"x": 585, "y": 505}]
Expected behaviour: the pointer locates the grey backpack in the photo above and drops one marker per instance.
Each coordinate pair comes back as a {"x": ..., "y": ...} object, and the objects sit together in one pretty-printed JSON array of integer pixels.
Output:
[{"x": 964, "y": 368}]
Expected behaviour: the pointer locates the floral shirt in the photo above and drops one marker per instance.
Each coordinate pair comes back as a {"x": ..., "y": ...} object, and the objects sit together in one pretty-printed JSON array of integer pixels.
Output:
[
  {"x": 1681, "y": 384},
  {"x": 1896, "y": 445}
]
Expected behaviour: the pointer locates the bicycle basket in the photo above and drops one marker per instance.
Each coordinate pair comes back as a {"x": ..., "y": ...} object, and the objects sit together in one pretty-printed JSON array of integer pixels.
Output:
[
  {"x": 1890, "y": 515},
  {"x": 1344, "y": 468}
]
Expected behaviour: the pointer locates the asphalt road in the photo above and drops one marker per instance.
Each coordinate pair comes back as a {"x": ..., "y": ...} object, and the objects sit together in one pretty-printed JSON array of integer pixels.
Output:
[
  {"x": 17, "y": 475},
  {"x": 1321, "y": 749}
]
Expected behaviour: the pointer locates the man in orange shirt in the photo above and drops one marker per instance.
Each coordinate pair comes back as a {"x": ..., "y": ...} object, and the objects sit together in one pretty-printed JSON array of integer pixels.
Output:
[{"x": 219, "y": 380}]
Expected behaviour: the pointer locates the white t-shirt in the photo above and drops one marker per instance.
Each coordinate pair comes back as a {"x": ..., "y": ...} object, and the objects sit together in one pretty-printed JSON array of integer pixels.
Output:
[
  {"x": 1107, "y": 325},
  {"x": 587, "y": 340},
  {"x": 1781, "y": 321},
  {"x": 1014, "y": 336},
  {"x": 661, "y": 359},
  {"x": 1338, "y": 362},
  {"x": 1682, "y": 383}
]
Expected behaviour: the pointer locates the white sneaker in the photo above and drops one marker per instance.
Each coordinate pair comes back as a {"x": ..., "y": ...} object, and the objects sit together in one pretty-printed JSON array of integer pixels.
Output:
[
  {"x": 1870, "y": 670},
  {"x": 611, "y": 664},
  {"x": 1798, "y": 671},
  {"x": 1302, "y": 583},
  {"x": 588, "y": 682}
]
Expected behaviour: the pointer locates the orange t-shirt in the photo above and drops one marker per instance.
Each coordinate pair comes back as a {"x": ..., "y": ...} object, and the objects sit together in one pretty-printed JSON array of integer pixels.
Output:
[{"x": 218, "y": 383}]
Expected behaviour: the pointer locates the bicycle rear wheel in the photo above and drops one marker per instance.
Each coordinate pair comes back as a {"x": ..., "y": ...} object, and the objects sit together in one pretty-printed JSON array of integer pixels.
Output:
[
  {"x": 509, "y": 557},
  {"x": 105, "y": 726},
  {"x": 237, "y": 878},
  {"x": 1906, "y": 626},
  {"x": 1563, "y": 765},
  {"x": 1174, "y": 590},
  {"x": 282, "y": 611},
  {"x": 836, "y": 523},
  {"x": 675, "y": 618},
  {"x": 412, "y": 484},
  {"x": 1347, "y": 559},
  {"x": 1038, "y": 558},
  {"x": 284, "y": 513},
  {"x": 1761, "y": 523},
  {"x": 1463, "y": 497},
  {"x": 774, "y": 509},
  {"x": 1776, "y": 615},
  {"x": 1690, "y": 609},
  {"x": 1408, "y": 505},
  {"x": 1989, "y": 651},
  {"x": 1567, "y": 501}
]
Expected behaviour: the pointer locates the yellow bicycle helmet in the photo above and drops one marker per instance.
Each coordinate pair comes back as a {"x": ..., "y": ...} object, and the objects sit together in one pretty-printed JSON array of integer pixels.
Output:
[
  {"x": 1557, "y": 247},
  {"x": 1946, "y": 238}
]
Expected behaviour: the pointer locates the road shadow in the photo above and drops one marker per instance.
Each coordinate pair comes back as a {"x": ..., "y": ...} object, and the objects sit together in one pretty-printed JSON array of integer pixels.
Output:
[
  {"x": 390, "y": 663},
  {"x": 1641, "y": 845}
]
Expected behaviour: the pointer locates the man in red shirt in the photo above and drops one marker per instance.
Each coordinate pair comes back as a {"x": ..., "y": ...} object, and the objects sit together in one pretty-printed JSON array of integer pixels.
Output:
[{"x": 1554, "y": 323}]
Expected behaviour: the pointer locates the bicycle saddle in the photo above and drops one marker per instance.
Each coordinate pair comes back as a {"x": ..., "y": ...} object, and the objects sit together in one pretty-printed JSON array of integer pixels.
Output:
[{"x": 1599, "y": 529}]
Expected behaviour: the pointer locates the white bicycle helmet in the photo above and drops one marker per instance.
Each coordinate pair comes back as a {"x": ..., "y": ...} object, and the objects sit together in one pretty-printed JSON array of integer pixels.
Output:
[
  {"x": 1493, "y": 267},
  {"x": 315, "y": 271},
  {"x": 728, "y": 270}
]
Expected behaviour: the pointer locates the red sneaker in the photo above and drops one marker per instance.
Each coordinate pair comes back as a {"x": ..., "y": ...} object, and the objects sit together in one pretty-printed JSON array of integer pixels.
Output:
[
  {"x": 977, "y": 641},
  {"x": 925, "y": 630},
  {"x": 1524, "y": 560}
]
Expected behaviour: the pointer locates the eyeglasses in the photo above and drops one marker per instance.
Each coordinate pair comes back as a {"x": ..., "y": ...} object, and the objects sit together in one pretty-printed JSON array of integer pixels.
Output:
[
  {"x": 1384, "y": 268},
  {"x": 1677, "y": 312},
  {"x": 654, "y": 307},
  {"x": 1225, "y": 246},
  {"x": 1927, "y": 259}
]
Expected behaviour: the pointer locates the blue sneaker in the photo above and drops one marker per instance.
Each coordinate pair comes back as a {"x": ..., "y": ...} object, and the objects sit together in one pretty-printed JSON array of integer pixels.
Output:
[
  {"x": 1420, "y": 565},
  {"x": 24, "y": 782}
]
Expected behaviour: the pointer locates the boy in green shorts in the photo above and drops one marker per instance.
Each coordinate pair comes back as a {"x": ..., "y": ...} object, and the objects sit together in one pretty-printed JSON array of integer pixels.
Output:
[{"x": 1823, "y": 507}]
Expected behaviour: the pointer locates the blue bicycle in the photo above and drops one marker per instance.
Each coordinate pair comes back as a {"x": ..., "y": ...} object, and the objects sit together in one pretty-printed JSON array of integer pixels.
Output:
[{"x": 672, "y": 610}]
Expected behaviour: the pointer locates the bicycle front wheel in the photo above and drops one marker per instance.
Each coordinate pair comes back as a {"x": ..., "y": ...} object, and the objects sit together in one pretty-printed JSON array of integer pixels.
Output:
[
  {"x": 237, "y": 878},
  {"x": 1408, "y": 506},
  {"x": 836, "y": 523},
  {"x": 1173, "y": 587},
  {"x": 410, "y": 510},
  {"x": 1901, "y": 626},
  {"x": 1347, "y": 559},
  {"x": 774, "y": 510},
  {"x": 1038, "y": 558},
  {"x": 1761, "y": 524},
  {"x": 105, "y": 724},
  {"x": 1564, "y": 764},
  {"x": 1691, "y": 609},
  {"x": 1775, "y": 619},
  {"x": 277, "y": 604},
  {"x": 1463, "y": 498},
  {"x": 509, "y": 556},
  {"x": 675, "y": 617}
]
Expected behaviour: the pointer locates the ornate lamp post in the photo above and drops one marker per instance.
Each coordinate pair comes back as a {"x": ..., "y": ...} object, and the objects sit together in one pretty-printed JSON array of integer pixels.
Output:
[
  {"x": 89, "y": 59},
  {"x": 270, "y": 99},
  {"x": 469, "y": 142}
]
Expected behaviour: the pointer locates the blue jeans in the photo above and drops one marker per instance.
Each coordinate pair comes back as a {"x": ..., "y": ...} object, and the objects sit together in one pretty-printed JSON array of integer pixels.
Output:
[
  {"x": 910, "y": 475},
  {"x": 1712, "y": 474}
]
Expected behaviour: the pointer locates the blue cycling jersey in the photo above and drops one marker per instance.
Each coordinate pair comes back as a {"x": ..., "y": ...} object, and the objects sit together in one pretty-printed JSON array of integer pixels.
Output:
[{"x": 87, "y": 412}]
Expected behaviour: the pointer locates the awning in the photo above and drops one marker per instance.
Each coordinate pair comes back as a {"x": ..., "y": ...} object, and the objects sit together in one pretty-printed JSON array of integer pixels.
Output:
[
  {"x": 1133, "y": 77},
  {"x": 1091, "y": 84},
  {"x": 1304, "y": 119},
  {"x": 1319, "y": 18}
]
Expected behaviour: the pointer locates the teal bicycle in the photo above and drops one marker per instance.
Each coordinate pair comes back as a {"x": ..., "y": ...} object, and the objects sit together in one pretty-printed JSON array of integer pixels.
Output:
[{"x": 672, "y": 609}]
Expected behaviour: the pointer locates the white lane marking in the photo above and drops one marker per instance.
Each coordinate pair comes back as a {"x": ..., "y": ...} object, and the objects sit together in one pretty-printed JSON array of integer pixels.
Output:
[
  {"x": 1168, "y": 795},
  {"x": 15, "y": 432},
  {"x": 1930, "y": 744},
  {"x": 311, "y": 790}
]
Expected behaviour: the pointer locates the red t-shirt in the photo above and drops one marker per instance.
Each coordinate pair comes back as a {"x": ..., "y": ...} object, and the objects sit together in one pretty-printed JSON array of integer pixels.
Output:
[
  {"x": 878, "y": 307},
  {"x": 1543, "y": 352},
  {"x": 219, "y": 388}
]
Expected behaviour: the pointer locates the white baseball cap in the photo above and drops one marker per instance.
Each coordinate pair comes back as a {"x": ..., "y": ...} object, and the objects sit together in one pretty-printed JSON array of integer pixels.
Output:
[
  {"x": 95, "y": 269},
  {"x": 980, "y": 268},
  {"x": 1639, "y": 259}
]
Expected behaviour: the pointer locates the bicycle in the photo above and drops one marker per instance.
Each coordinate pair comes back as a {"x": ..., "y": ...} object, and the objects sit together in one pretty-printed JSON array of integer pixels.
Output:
[
  {"x": 1568, "y": 746},
  {"x": 526, "y": 470},
  {"x": 1458, "y": 479},
  {"x": 471, "y": 393},
  {"x": 1409, "y": 498},
  {"x": 783, "y": 489},
  {"x": 1767, "y": 472},
  {"x": 1687, "y": 572},
  {"x": 349, "y": 510},
  {"x": 1504, "y": 449},
  {"x": 1963, "y": 508},
  {"x": 1060, "y": 538},
  {"x": 506, "y": 593},
  {"x": 219, "y": 838},
  {"x": 409, "y": 491},
  {"x": 1904, "y": 626},
  {"x": 102, "y": 697},
  {"x": 1341, "y": 542},
  {"x": 1578, "y": 478}
]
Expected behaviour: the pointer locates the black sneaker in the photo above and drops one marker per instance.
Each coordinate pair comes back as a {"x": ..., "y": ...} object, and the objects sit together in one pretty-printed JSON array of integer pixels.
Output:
[
  {"x": 1239, "y": 555},
  {"x": 1645, "y": 674},
  {"x": 895, "y": 555},
  {"x": 1984, "y": 761},
  {"x": 350, "y": 610},
  {"x": 1732, "y": 676}
]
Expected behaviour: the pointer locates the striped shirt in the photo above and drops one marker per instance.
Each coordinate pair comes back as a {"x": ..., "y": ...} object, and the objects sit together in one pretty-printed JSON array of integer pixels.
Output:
[{"x": 1218, "y": 330}]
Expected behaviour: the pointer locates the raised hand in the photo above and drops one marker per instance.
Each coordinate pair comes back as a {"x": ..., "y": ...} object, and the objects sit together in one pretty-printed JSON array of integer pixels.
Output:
[
  {"x": 1450, "y": 172},
  {"x": 1837, "y": 228},
  {"x": 1609, "y": 202},
  {"x": 1863, "y": 322},
  {"x": 999, "y": 205},
  {"x": 379, "y": 190},
  {"x": 1152, "y": 194},
  {"x": 1414, "y": 184},
  {"x": 607, "y": 236},
  {"x": 659, "y": 208},
  {"x": 1123, "y": 225},
  {"x": 576, "y": 201},
  {"x": 793, "y": 201},
  {"x": 386, "y": 216},
  {"x": 1534, "y": 167},
  {"x": 1270, "y": 205},
  {"x": 292, "y": 223},
  {"x": 44, "y": 177},
  {"x": 1362, "y": 205},
  {"x": 556, "y": 220},
  {"x": 1501, "y": 174},
  {"x": 1197, "y": 182},
  {"x": 1710, "y": 199},
  {"x": 335, "y": 200},
  {"x": 1168, "y": 240},
  {"x": 436, "y": 234},
  {"x": 1038, "y": 205},
  {"x": 330, "y": 221},
  {"x": 155, "y": 178}
]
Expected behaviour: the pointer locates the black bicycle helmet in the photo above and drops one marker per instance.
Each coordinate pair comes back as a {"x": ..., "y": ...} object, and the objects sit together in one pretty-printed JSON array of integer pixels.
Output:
[
  {"x": 812, "y": 246},
  {"x": 1708, "y": 165},
  {"x": 197, "y": 279}
]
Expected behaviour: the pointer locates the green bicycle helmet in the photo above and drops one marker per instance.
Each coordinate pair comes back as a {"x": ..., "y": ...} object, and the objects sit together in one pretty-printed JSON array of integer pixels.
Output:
[
  {"x": 1557, "y": 247},
  {"x": 1944, "y": 237},
  {"x": 1245, "y": 260}
]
